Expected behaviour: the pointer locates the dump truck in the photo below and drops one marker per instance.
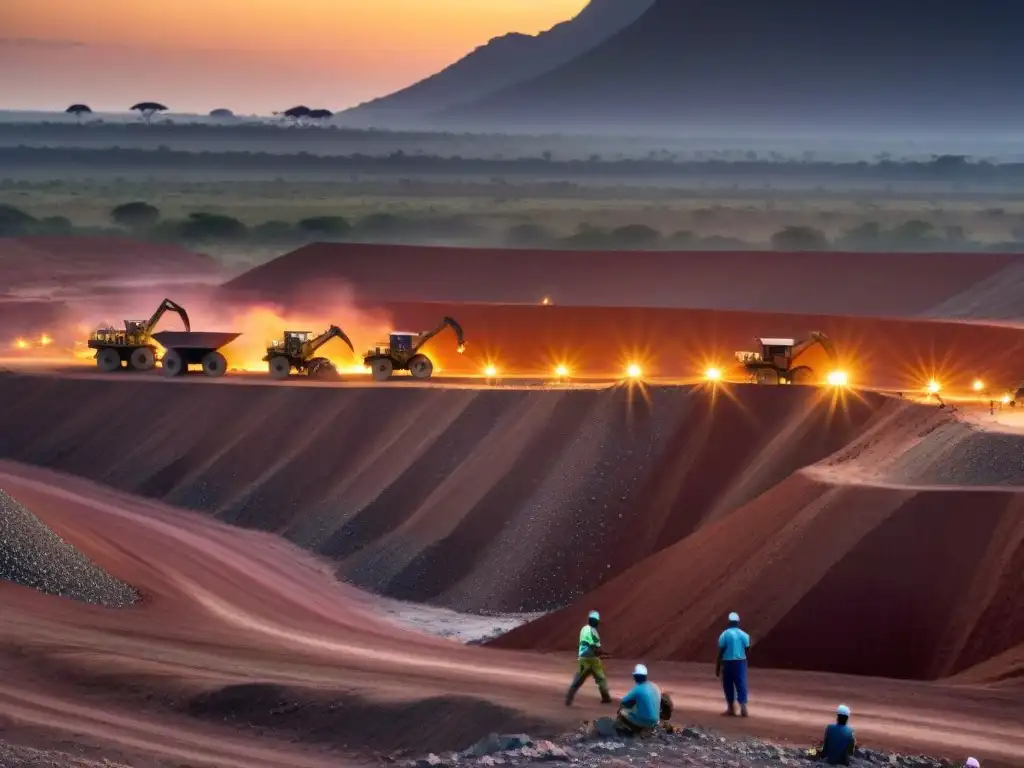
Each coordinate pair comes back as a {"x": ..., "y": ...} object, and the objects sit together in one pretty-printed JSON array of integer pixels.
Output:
[
  {"x": 135, "y": 347},
  {"x": 777, "y": 361},
  {"x": 297, "y": 350},
  {"x": 402, "y": 352}
]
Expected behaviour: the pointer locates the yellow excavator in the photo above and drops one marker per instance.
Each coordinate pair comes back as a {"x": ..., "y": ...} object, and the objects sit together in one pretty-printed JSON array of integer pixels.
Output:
[
  {"x": 402, "y": 352},
  {"x": 298, "y": 350},
  {"x": 777, "y": 362},
  {"x": 134, "y": 345}
]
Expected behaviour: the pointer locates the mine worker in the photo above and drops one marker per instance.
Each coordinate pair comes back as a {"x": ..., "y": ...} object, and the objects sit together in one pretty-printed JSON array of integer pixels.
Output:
[
  {"x": 589, "y": 661},
  {"x": 641, "y": 707},
  {"x": 972, "y": 762},
  {"x": 733, "y": 645},
  {"x": 840, "y": 742}
]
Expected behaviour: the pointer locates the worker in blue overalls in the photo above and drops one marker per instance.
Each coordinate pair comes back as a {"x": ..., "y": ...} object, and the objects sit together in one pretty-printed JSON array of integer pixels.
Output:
[{"x": 733, "y": 645}]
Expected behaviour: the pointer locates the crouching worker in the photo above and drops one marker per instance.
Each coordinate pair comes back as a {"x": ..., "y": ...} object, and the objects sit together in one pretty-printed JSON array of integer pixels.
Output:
[
  {"x": 641, "y": 707},
  {"x": 840, "y": 742},
  {"x": 589, "y": 661}
]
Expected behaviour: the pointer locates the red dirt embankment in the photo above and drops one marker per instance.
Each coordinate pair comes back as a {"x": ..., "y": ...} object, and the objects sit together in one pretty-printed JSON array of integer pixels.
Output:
[
  {"x": 477, "y": 499},
  {"x": 245, "y": 654},
  {"x": 881, "y": 284},
  {"x": 845, "y": 566},
  {"x": 600, "y": 341}
]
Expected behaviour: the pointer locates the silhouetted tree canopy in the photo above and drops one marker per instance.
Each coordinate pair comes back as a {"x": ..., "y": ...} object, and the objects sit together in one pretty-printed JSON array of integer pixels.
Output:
[
  {"x": 330, "y": 226},
  {"x": 799, "y": 239},
  {"x": 148, "y": 108},
  {"x": 222, "y": 112},
  {"x": 136, "y": 215},
  {"x": 14, "y": 222},
  {"x": 319, "y": 114},
  {"x": 635, "y": 236},
  {"x": 297, "y": 113},
  {"x": 212, "y": 226}
]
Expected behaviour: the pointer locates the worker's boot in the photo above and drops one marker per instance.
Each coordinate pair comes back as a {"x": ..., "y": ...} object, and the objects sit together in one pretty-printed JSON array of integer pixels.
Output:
[
  {"x": 743, "y": 710},
  {"x": 730, "y": 710},
  {"x": 571, "y": 693},
  {"x": 606, "y": 698}
]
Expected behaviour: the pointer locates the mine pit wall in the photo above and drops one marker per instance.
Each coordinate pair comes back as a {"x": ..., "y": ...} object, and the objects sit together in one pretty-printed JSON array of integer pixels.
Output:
[
  {"x": 486, "y": 500},
  {"x": 848, "y": 578}
]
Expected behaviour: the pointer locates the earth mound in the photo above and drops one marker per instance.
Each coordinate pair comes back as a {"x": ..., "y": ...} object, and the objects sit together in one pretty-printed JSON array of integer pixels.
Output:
[
  {"x": 882, "y": 285},
  {"x": 833, "y": 568},
  {"x": 482, "y": 500},
  {"x": 34, "y": 556}
]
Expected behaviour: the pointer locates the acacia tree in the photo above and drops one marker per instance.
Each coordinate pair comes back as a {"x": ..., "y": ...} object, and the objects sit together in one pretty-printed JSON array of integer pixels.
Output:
[
  {"x": 148, "y": 108},
  {"x": 222, "y": 113},
  {"x": 296, "y": 114},
  {"x": 320, "y": 114},
  {"x": 78, "y": 110}
]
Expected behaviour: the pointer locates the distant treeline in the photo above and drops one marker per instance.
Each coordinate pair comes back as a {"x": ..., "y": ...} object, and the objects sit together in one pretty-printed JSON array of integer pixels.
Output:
[
  {"x": 949, "y": 168},
  {"x": 142, "y": 220}
]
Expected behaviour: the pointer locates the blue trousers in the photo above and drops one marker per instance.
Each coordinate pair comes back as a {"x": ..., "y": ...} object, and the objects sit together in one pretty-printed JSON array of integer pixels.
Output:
[{"x": 734, "y": 681}]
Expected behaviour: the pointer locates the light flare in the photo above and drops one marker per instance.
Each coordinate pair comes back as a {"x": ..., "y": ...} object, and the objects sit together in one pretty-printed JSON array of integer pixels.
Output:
[
  {"x": 713, "y": 374},
  {"x": 838, "y": 379},
  {"x": 561, "y": 371},
  {"x": 634, "y": 371},
  {"x": 490, "y": 371},
  {"x": 933, "y": 387},
  {"x": 978, "y": 385}
]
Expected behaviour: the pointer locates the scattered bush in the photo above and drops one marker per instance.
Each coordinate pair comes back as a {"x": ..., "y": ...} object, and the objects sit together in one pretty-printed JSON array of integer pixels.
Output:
[
  {"x": 635, "y": 236},
  {"x": 327, "y": 226},
  {"x": 528, "y": 236},
  {"x": 799, "y": 239},
  {"x": 14, "y": 222},
  {"x": 136, "y": 216}
]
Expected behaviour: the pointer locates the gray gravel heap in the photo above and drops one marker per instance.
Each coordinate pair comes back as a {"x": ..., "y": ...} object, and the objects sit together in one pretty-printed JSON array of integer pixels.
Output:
[
  {"x": 596, "y": 744},
  {"x": 34, "y": 556}
]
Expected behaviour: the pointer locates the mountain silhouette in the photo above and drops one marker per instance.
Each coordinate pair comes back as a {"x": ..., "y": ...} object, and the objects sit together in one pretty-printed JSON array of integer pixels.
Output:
[
  {"x": 806, "y": 64},
  {"x": 500, "y": 63}
]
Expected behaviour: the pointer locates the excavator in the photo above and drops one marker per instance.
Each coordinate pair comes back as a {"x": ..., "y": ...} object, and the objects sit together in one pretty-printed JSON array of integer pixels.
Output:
[
  {"x": 402, "y": 352},
  {"x": 134, "y": 345},
  {"x": 777, "y": 361},
  {"x": 298, "y": 349}
]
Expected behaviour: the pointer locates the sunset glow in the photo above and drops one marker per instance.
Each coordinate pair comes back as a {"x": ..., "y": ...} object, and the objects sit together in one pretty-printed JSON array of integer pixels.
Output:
[{"x": 331, "y": 52}]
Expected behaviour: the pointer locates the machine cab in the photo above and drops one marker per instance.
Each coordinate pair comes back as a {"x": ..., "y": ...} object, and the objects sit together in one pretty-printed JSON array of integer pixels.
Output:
[
  {"x": 293, "y": 341},
  {"x": 772, "y": 349}
]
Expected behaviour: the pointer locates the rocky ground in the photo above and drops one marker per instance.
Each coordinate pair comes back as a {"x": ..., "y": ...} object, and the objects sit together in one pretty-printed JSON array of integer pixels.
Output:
[
  {"x": 12, "y": 756},
  {"x": 597, "y": 744},
  {"x": 34, "y": 556}
]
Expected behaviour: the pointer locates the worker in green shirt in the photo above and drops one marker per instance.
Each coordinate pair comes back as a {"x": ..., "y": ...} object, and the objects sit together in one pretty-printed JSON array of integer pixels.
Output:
[{"x": 589, "y": 661}]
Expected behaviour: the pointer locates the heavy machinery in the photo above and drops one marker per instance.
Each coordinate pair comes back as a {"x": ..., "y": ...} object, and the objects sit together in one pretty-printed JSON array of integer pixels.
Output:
[
  {"x": 135, "y": 347},
  {"x": 777, "y": 361},
  {"x": 298, "y": 349},
  {"x": 402, "y": 352}
]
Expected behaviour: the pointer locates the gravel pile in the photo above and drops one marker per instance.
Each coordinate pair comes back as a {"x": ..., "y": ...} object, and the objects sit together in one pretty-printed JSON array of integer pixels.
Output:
[
  {"x": 26, "y": 757},
  {"x": 958, "y": 455},
  {"x": 595, "y": 744},
  {"x": 34, "y": 556}
]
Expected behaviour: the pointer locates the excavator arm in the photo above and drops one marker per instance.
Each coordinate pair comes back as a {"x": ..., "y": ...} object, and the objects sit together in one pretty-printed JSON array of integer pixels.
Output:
[
  {"x": 445, "y": 323},
  {"x": 165, "y": 306},
  {"x": 334, "y": 332},
  {"x": 816, "y": 337}
]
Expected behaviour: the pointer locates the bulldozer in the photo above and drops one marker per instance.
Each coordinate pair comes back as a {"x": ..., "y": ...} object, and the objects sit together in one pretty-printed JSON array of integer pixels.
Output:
[
  {"x": 777, "y": 361},
  {"x": 298, "y": 349},
  {"x": 402, "y": 352},
  {"x": 134, "y": 345}
]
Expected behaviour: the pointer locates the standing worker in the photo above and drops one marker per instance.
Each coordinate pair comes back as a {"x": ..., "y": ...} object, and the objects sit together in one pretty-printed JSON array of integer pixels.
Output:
[
  {"x": 731, "y": 666},
  {"x": 589, "y": 661},
  {"x": 840, "y": 742}
]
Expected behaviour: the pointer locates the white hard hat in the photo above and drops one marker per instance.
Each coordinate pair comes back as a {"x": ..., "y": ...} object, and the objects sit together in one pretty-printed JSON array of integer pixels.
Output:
[
  {"x": 842, "y": 709},
  {"x": 640, "y": 669},
  {"x": 595, "y": 616},
  {"x": 972, "y": 762},
  {"x": 734, "y": 616}
]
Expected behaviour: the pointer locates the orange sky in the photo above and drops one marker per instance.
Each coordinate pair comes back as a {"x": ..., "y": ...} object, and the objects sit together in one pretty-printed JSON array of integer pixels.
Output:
[{"x": 251, "y": 55}]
